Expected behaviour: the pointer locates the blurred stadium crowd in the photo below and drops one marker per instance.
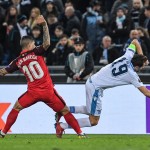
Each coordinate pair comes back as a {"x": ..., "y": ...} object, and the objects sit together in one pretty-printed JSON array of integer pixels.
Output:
[{"x": 107, "y": 27}]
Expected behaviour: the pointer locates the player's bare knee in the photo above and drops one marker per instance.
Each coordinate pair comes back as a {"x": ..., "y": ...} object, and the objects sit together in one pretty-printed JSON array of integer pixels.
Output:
[
  {"x": 17, "y": 106},
  {"x": 64, "y": 111}
]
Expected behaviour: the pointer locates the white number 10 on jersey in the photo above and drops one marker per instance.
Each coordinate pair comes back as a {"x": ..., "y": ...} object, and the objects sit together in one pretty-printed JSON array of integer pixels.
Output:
[{"x": 33, "y": 71}]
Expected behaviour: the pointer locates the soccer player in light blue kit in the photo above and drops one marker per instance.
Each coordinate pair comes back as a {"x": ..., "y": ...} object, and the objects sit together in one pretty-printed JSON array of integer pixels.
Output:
[{"x": 121, "y": 72}]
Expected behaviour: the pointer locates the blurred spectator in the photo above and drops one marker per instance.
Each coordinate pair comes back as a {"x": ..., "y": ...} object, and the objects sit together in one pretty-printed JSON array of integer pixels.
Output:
[
  {"x": 55, "y": 37},
  {"x": 57, "y": 3},
  {"x": 147, "y": 20},
  {"x": 58, "y": 32},
  {"x": 142, "y": 32},
  {"x": 142, "y": 16},
  {"x": 61, "y": 51},
  {"x": 8, "y": 24},
  {"x": 11, "y": 18},
  {"x": 23, "y": 6},
  {"x": 62, "y": 17},
  {"x": 50, "y": 9},
  {"x": 16, "y": 3},
  {"x": 135, "y": 12},
  {"x": 37, "y": 35},
  {"x": 79, "y": 64},
  {"x": 35, "y": 12},
  {"x": 77, "y": 12},
  {"x": 120, "y": 27},
  {"x": 52, "y": 22},
  {"x": 74, "y": 34},
  {"x": 1, "y": 54},
  {"x": 144, "y": 36},
  {"x": 26, "y": 6},
  {"x": 134, "y": 34},
  {"x": 106, "y": 52},
  {"x": 126, "y": 9},
  {"x": 20, "y": 29},
  {"x": 119, "y": 3},
  {"x": 5, "y": 4},
  {"x": 93, "y": 25},
  {"x": 2, "y": 28},
  {"x": 107, "y": 8},
  {"x": 2, "y": 33},
  {"x": 71, "y": 21},
  {"x": 146, "y": 2}
]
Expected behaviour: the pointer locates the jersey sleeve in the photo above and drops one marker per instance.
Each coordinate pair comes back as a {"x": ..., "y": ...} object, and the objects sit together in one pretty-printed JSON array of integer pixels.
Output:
[
  {"x": 130, "y": 51},
  {"x": 12, "y": 67},
  {"x": 135, "y": 80},
  {"x": 39, "y": 50}
]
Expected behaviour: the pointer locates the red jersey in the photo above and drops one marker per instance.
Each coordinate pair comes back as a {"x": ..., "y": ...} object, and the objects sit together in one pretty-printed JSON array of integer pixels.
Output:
[{"x": 32, "y": 65}]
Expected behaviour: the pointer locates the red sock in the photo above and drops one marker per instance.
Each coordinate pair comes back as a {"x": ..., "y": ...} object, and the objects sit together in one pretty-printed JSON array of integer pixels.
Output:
[
  {"x": 70, "y": 119},
  {"x": 10, "y": 120}
]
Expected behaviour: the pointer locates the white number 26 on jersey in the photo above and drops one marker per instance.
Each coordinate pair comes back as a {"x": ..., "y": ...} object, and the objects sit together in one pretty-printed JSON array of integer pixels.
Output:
[{"x": 33, "y": 71}]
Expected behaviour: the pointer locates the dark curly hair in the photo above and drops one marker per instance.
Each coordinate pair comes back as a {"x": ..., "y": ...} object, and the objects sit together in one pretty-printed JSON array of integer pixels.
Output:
[{"x": 138, "y": 60}]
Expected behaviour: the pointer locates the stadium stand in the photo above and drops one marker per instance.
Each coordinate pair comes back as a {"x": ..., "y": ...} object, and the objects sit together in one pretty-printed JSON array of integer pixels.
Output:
[{"x": 109, "y": 18}]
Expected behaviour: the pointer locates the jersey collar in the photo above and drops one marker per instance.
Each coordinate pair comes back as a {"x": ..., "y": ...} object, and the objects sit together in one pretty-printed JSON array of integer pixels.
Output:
[{"x": 24, "y": 51}]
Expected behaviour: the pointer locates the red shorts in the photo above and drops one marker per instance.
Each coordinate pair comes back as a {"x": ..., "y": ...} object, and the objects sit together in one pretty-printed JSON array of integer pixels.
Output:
[{"x": 49, "y": 97}]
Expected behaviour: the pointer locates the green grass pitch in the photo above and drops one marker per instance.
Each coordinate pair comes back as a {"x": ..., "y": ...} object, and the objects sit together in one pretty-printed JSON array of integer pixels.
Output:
[{"x": 72, "y": 142}]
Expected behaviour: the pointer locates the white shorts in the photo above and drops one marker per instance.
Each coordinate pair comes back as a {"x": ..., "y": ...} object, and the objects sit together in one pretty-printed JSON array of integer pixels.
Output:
[{"x": 93, "y": 98}]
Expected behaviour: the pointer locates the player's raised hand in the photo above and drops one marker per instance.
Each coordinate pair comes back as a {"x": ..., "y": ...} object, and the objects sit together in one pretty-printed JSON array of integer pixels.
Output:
[{"x": 40, "y": 20}]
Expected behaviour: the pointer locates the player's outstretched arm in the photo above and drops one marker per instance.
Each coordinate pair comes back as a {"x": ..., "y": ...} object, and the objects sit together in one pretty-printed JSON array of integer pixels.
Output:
[
  {"x": 46, "y": 37},
  {"x": 3, "y": 72},
  {"x": 145, "y": 91},
  {"x": 138, "y": 46}
]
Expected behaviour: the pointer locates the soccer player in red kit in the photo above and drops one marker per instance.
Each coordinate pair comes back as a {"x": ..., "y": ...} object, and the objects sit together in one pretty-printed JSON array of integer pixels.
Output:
[{"x": 40, "y": 86}]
